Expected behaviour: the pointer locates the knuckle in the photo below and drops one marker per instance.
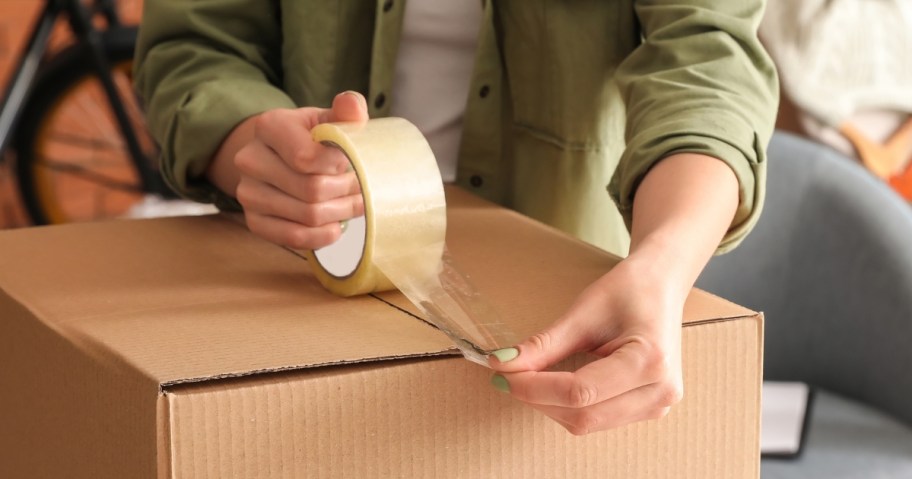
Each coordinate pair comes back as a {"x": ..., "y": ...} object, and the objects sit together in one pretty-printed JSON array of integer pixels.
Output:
[
  {"x": 670, "y": 394},
  {"x": 243, "y": 160},
  {"x": 582, "y": 394},
  {"x": 585, "y": 422},
  {"x": 298, "y": 237},
  {"x": 659, "y": 413},
  {"x": 318, "y": 214},
  {"x": 243, "y": 193},
  {"x": 314, "y": 188},
  {"x": 542, "y": 341},
  {"x": 655, "y": 363},
  {"x": 337, "y": 158},
  {"x": 333, "y": 235},
  {"x": 252, "y": 223},
  {"x": 300, "y": 159},
  {"x": 263, "y": 121},
  {"x": 313, "y": 214},
  {"x": 305, "y": 215}
]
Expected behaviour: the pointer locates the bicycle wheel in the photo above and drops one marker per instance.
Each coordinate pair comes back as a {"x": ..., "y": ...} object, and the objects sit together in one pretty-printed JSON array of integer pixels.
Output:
[{"x": 72, "y": 162}]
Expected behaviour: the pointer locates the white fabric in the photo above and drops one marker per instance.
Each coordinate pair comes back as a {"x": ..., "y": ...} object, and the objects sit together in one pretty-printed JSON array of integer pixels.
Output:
[
  {"x": 434, "y": 70},
  {"x": 840, "y": 57}
]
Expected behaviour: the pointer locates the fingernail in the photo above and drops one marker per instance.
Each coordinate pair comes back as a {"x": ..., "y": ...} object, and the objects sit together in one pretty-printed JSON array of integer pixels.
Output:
[
  {"x": 506, "y": 354},
  {"x": 361, "y": 100},
  {"x": 500, "y": 383},
  {"x": 344, "y": 225}
]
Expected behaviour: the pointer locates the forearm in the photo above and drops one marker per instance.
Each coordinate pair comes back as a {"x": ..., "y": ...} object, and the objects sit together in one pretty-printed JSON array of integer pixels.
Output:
[
  {"x": 682, "y": 210},
  {"x": 221, "y": 171}
]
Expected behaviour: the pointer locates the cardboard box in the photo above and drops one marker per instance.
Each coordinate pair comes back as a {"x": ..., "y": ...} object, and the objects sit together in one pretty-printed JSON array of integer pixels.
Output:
[{"x": 188, "y": 348}]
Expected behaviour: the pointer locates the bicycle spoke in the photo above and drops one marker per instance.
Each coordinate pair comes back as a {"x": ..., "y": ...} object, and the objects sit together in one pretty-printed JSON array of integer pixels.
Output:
[
  {"x": 100, "y": 110},
  {"x": 80, "y": 163},
  {"x": 68, "y": 168},
  {"x": 84, "y": 142},
  {"x": 94, "y": 104}
]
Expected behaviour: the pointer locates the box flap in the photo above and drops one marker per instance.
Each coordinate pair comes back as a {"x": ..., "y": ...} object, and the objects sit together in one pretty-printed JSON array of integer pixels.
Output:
[
  {"x": 182, "y": 299},
  {"x": 185, "y": 299},
  {"x": 531, "y": 272}
]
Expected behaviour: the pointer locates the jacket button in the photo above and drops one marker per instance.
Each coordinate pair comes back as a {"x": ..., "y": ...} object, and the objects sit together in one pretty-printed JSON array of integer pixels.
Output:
[
  {"x": 484, "y": 91},
  {"x": 387, "y": 5},
  {"x": 380, "y": 100},
  {"x": 476, "y": 181}
]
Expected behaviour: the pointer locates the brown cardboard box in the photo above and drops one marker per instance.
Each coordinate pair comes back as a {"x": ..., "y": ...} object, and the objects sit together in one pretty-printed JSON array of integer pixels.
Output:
[{"x": 189, "y": 348}]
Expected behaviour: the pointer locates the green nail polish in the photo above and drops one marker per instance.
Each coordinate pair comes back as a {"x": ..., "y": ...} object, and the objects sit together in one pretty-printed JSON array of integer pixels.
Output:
[
  {"x": 506, "y": 354},
  {"x": 500, "y": 383},
  {"x": 343, "y": 224}
]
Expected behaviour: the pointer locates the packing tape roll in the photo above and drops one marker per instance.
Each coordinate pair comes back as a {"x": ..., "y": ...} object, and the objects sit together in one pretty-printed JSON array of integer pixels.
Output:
[
  {"x": 404, "y": 206},
  {"x": 399, "y": 243}
]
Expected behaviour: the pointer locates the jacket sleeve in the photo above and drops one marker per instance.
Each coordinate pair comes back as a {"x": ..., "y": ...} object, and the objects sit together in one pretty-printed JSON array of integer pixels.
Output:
[
  {"x": 202, "y": 67},
  {"x": 700, "y": 82}
]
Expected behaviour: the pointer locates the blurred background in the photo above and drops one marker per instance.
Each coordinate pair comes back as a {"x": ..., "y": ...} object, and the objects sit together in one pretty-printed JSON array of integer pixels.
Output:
[
  {"x": 17, "y": 19},
  {"x": 73, "y": 155}
]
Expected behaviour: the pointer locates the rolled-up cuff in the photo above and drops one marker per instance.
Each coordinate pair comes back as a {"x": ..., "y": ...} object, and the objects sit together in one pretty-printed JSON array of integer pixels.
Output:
[
  {"x": 206, "y": 115},
  {"x": 739, "y": 147}
]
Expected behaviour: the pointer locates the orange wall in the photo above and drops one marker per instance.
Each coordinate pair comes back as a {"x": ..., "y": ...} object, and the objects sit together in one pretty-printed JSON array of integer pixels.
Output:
[{"x": 17, "y": 18}]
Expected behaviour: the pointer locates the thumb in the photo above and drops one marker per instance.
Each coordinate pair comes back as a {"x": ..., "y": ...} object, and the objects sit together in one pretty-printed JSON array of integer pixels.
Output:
[
  {"x": 539, "y": 351},
  {"x": 346, "y": 106}
]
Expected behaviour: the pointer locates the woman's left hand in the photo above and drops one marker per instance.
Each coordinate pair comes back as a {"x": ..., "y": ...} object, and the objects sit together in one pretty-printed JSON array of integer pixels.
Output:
[
  {"x": 632, "y": 322},
  {"x": 630, "y": 318}
]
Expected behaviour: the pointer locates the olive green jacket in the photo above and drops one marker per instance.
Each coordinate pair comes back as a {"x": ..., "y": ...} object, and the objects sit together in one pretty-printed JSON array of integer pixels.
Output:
[{"x": 567, "y": 97}]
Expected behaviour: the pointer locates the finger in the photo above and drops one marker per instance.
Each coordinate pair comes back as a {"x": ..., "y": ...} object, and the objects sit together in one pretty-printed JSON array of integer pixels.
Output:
[
  {"x": 264, "y": 199},
  {"x": 291, "y": 234},
  {"x": 541, "y": 350},
  {"x": 346, "y": 106},
  {"x": 627, "y": 368},
  {"x": 320, "y": 188},
  {"x": 259, "y": 162},
  {"x": 287, "y": 133},
  {"x": 326, "y": 160},
  {"x": 648, "y": 402}
]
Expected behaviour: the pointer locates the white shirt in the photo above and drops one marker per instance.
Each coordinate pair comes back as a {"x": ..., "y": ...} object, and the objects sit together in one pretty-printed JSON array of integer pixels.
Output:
[{"x": 433, "y": 72}]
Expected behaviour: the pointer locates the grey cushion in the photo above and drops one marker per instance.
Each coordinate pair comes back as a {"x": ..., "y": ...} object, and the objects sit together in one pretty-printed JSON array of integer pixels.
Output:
[
  {"x": 830, "y": 264},
  {"x": 847, "y": 440}
]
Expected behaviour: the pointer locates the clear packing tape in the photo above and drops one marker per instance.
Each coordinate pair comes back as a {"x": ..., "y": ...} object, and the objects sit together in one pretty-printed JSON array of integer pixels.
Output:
[{"x": 399, "y": 243}]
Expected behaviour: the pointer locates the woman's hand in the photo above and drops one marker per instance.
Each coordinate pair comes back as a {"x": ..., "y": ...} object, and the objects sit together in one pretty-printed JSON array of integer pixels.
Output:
[
  {"x": 631, "y": 320},
  {"x": 295, "y": 192},
  {"x": 631, "y": 317}
]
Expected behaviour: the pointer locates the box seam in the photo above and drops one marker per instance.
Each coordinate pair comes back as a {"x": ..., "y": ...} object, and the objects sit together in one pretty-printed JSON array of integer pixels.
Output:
[{"x": 164, "y": 385}]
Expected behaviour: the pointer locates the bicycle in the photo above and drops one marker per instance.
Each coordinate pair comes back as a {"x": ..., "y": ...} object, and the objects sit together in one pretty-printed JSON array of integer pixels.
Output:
[{"x": 74, "y": 120}]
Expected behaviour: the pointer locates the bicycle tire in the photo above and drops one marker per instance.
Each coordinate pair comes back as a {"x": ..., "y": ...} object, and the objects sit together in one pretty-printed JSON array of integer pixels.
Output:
[{"x": 57, "y": 79}]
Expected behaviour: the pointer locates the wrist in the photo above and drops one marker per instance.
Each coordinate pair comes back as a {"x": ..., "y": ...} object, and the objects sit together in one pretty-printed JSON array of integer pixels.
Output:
[
  {"x": 222, "y": 171},
  {"x": 658, "y": 261}
]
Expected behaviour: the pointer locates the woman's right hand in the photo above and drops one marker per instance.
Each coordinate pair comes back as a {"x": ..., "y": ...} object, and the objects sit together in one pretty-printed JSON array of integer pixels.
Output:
[{"x": 295, "y": 192}]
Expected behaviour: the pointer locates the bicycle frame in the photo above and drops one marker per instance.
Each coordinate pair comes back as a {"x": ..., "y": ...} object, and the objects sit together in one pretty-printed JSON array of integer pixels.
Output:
[{"x": 84, "y": 32}]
